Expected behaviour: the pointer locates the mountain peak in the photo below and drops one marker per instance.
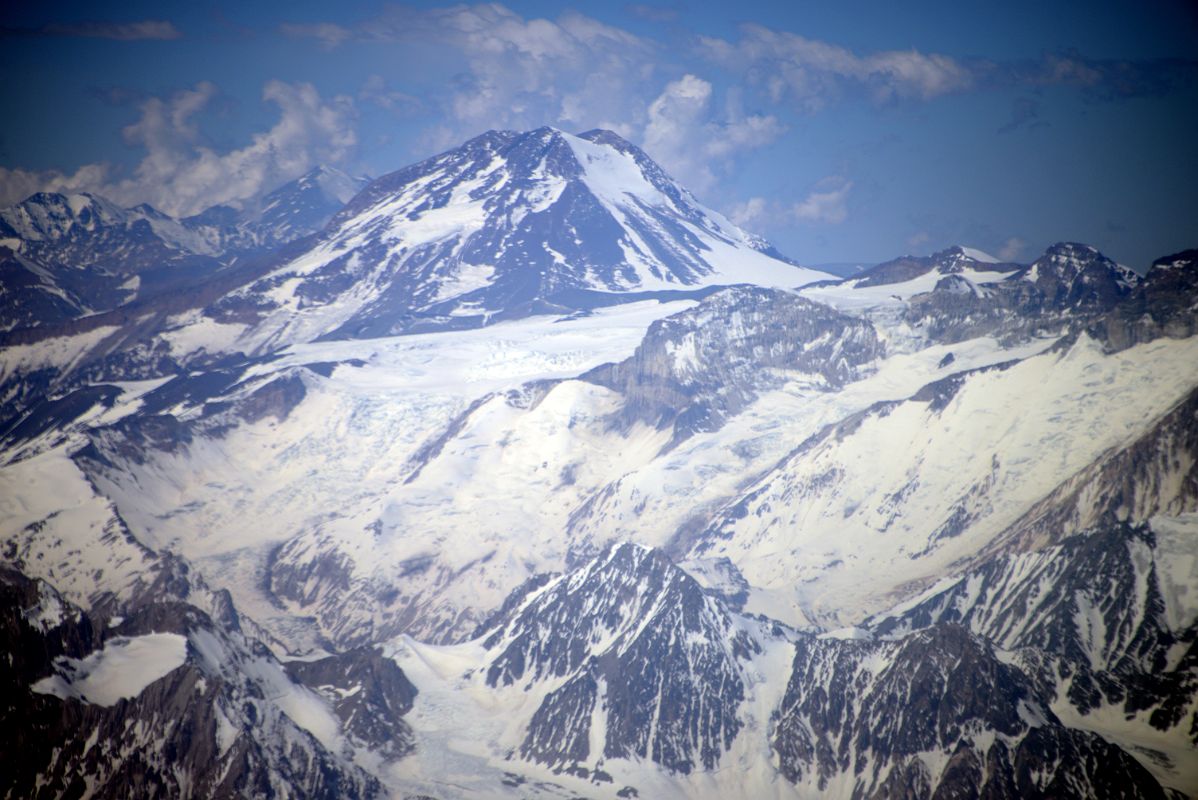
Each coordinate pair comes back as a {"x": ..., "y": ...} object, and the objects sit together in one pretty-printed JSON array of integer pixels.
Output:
[
  {"x": 972, "y": 253},
  {"x": 511, "y": 224},
  {"x": 1069, "y": 259},
  {"x": 46, "y": 216}
]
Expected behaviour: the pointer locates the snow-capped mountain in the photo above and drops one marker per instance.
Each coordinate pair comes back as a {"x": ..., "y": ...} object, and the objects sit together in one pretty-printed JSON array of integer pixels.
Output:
[
  {"x": 70, "y": 255},
  {"x": 529, "y": 476},
  {"x": 643, "y": 664},
  {"x": 66, "y": 256},
  {"x": 506, "y": 225},
  {"x": 953, "y": 261},
  {"x": 303, "y": 206},
  {"x": 696, "y": 368},
  {"x": 296, "y": 209}
]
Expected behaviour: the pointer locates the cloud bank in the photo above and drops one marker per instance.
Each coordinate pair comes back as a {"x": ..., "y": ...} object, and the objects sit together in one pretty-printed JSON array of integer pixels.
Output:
[
  {"x": 182, "y": 174},
  {"x": 699, "y": 110}
]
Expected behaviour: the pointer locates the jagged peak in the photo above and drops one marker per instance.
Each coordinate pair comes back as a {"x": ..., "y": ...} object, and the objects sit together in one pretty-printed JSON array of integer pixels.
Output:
[
  {"x": 71, "y": 200},
  {"x": 1066, "y": 260},
  {"x": 1186, "y": 259},
  {"x": 610, "y": 138},
  {"x": 1073, "y": 248},
  {"x": 958, "y": 251}
]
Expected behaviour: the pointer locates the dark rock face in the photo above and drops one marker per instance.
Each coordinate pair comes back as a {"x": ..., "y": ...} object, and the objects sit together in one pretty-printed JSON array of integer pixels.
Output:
[
  {"x": 58, "y": 413},
  {"x": 966, "y": 691},
  {"x": 223, "y": 398},
  {"x": 1156, "y": 474},
  {"x": 871, "y": 709},
  {"x": 368, "y": 692},
  {"x": 839, "y": 715},
  {"x": 1090, "y": 612},
  {"x": 695, "y": 369},
  {"x": 298, "y": 208},
  {"x": 312, "y": 576},
  {"x": 1078, "y": 277},
  {"x": 640, "y": 644},
  {"x": 1071, "y": 287},
  {"x": 28, "y": 296},
  {"x": 1162, "y": 305},
  {"x": 81, "y": 254},
  {"x": 928, "y": 708},
  {"x": 1046, "y": 600},
  {"x": 204, "y": 729},
  {"x": 947, "y": 262}
]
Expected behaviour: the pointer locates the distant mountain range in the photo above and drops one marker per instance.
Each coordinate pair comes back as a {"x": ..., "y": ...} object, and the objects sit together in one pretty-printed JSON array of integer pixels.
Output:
[
  {"x": 521, "y": 473},
  {"x": 67, "y": 256},
  {"x": 843, "y": 269}
]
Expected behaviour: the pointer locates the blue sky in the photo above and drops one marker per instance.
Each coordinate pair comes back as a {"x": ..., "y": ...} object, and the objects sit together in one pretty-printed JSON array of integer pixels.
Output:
[{"x": 847, "y": 131}]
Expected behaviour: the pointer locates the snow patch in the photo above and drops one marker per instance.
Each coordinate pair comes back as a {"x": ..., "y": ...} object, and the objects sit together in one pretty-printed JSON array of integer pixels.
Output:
[
  {"x": 979, "y": 255},
  {"x": 121, "y": 670}
]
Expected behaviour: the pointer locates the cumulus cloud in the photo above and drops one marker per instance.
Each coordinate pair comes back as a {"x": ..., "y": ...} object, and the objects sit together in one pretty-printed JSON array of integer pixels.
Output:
[
  {"x": 739, "y": 134},
  {"x": 17, "y": 184},
  {"x": 1011, "y": 249},
  {"x": 826, "y": 203},
  {"x": 673, "y": 115},
  {"x": 518, "y": 73},
  {"x": 751, "y": 214},
  {"x": 573, "y": 72},
  {"x": 809, "y": 73},
  {"x": 182, "y": 174},
  {"x": 689, "y": 138},
  {"x": 522, "y": 73},
  {"x": 120, "y": 31}
]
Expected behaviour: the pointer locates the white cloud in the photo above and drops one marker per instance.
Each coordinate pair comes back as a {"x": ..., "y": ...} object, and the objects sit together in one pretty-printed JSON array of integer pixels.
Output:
[
  {"x": 826, "y": 203},
  {"x": 692, "y": 141},
  {"x": 809, "y": 73},
  {"x": 738, "y": 135},
  {"x": 17, "y": 184},
  {"x": 574, "y": 72},
  {"x": 674, "y": 117},
  {"x": 751, "y": 214},
  {"x": 918, "y": 240},
  {"x": 181, "y": 174},
  {"x": 1011, "y": 249}
]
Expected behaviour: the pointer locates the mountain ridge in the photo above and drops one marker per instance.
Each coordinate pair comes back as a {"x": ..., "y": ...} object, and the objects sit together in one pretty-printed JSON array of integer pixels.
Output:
[{"x": 415, "y": 506}]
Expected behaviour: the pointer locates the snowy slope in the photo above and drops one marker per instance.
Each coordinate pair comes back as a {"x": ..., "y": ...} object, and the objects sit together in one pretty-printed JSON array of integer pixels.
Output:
[
  {"x": 66, "y": 256},
  {"x": 434, "y": 449},
  {"x": 506, "y": 225},
  {"x": 495, "y": 488},
  {"x": 905, "y": 490}
]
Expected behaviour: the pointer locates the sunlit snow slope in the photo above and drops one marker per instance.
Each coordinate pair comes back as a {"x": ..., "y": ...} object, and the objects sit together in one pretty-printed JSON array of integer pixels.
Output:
[
  {"x": 506, "y": 225},
  {"x": 530, "y": 476}
]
